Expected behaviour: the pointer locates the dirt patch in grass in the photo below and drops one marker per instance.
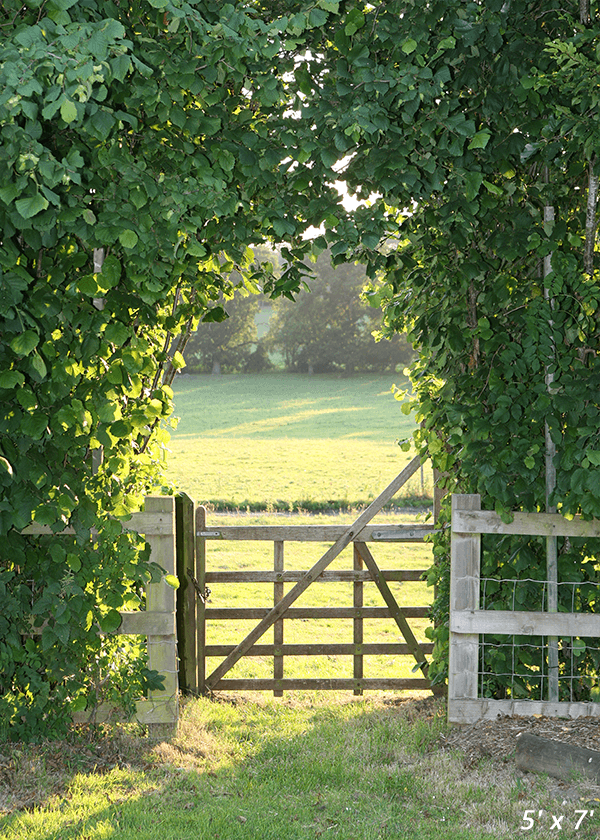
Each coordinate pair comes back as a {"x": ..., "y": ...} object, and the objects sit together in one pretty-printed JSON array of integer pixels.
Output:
[
  {"x": 494, "y": 742},
  {"x": 497, "y": 739}
]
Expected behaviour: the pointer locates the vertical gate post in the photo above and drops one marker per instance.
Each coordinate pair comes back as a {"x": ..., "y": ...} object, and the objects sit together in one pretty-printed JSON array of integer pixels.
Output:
[
  {"x": 186, "y": 594},
  {"x": 464, "y": 595},
  {"x": 200, "y": 600},
  {"x": 358, "y": 622},
  {"x": 278, "y": 564},
  {"x": 160, "y": 598}
]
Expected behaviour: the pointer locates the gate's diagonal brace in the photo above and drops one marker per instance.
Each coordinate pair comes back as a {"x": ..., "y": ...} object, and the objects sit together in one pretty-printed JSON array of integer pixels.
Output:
[
  {"x": 395, "y": 610},
  {"x": 397, "y": 613},
  {"x": 330, "y": 555}
]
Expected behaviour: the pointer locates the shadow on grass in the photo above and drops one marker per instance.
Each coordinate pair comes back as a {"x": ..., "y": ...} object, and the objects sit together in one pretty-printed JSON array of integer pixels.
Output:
[{"x": 271, "y": 770}]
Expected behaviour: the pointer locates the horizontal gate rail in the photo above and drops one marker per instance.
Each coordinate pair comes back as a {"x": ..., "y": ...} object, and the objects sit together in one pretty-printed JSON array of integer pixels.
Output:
[
  {"x": 324, "y": 684},
  {"x": 342, "y": 576},
  {"x": 226, "y": 613},
  {"x": 318, "y": 533},
  {"x": 341, "y": 649}
]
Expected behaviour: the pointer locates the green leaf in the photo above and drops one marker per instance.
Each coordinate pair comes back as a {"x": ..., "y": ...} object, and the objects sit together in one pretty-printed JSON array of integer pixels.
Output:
[
  {"x": 447, "y": 43},
  {"x": 480, "y": 140},
  {"x": 68, "y": 111},
  {"x": 10, "y": 378},
  {"x": 317, "y": 17},
  {"x": 159, "y": 4},
  {"x": 172, "y": 581},
  {"x": 73, "y": 562},
  {"x": 409, "y": 46},
  {"x": 38, "y": 367},
  {"x": 111, "y": 272},
  {"x": 354, "y": 22},
  {"x": 24, "y": 343},
  {"x": 178, "y": 361},
  {"x": 79, "y": 704},
  {"x": 120, "y": 429},
  {"x": 117, "y": 333},
  {"x": 45, "y": 515},
  {"x": 128, "y": 238},
  {"x": 87, "y": 285},
  {"x": 9, "y": 193},
  {"x": 31, "y": 206},
  {"x": 34, "y": 426},
  {"x": 110, "y": 622},
  {"x": 492, "y": 188},
  {"x": 473, "y": 182}
]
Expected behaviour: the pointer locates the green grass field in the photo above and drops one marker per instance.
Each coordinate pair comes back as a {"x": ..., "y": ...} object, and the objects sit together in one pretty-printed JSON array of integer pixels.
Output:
[
  {"x": 290, "y": 441},
  {"x": 308, "y": 765}
]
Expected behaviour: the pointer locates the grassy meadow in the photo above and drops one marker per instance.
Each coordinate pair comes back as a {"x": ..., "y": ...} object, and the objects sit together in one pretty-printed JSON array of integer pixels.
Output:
[{"x": 282, "y": 441}]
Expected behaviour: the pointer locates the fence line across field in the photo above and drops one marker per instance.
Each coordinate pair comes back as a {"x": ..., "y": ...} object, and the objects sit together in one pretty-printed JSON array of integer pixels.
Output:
[
  {"x": 175, "y": 622},
  {"x": 468, "y": 622}
]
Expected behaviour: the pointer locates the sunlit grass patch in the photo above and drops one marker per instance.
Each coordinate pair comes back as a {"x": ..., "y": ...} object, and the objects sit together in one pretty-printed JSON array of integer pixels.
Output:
[{"x": 306, "y": 766}]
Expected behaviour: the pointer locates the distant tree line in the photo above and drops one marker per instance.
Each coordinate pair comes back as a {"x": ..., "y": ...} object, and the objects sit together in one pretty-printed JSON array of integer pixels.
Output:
[{"x": 329, "y": 328}]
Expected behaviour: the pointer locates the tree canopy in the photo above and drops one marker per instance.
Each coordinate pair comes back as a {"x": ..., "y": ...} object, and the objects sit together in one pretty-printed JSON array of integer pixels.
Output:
[
  {"x": 142, "y": 151},
  {"x": 227, "y": 345},
  {"x": 329, "y": 327}
]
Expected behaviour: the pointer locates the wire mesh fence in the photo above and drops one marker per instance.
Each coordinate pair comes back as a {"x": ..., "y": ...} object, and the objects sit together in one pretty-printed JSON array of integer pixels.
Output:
[{"x": 516, "y": 667}]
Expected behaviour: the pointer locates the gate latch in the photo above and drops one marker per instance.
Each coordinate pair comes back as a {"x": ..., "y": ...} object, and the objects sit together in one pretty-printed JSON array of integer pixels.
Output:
[{"x": 203, "y": 594}]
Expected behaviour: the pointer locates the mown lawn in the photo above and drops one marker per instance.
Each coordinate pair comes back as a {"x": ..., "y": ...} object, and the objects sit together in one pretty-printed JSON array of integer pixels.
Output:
[
  {"x": 260, "y": 769},
  {"x": 290, "y": 441}
]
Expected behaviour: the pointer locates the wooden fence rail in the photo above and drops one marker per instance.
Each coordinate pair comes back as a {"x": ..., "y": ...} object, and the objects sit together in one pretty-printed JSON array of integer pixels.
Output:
[
  {"x": 467, "y": 621},
  {"x": 157, "y": 621}
]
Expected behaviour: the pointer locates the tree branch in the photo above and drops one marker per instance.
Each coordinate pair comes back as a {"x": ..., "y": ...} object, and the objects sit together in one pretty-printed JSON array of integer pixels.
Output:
[{"x": 590, "y": 220}]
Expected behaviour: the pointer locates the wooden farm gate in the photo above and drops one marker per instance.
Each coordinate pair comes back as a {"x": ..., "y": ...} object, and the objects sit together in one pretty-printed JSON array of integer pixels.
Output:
[{"x": 193, "y": 610}]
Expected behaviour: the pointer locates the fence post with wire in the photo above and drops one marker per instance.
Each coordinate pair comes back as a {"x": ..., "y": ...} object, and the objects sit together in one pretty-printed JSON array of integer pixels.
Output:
[{"x": 471, "y": 620}]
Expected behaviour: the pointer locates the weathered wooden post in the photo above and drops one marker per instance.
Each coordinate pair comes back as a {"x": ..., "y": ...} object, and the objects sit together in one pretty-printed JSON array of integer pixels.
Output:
[
  {"x": 464, "y": 595},
  {"x": 278, "y": 564},
  {"x": 358, "y": 635},
  {"x": 200, "y": 600},
  {"x": 186, "y": 594},
  {"x": 162, "y": 649}
]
